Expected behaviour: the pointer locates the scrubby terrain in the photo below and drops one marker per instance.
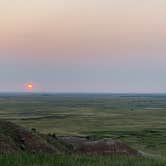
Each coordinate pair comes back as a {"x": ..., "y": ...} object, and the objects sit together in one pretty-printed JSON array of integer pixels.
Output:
[
  {"x": 138, "y": 120},
  {"x": 17, "y": 139},
  {"x": 19, "y": 146},
  {"x": 69, "y": 126}
]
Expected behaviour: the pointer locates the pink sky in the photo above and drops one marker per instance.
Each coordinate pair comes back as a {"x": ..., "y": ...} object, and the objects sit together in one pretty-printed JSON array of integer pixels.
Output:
[{"x": 93, "y": 46}]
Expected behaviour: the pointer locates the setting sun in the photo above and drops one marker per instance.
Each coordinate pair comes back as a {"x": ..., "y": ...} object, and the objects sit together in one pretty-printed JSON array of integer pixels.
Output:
[{"x": 29, "y": 86}]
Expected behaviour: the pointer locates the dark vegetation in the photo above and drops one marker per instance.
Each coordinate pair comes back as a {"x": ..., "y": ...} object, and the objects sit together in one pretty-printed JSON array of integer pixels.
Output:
[{"x": 75, "y": 160}]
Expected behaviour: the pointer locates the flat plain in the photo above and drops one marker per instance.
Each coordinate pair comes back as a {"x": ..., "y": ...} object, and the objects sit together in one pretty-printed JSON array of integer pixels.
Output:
[{"x": 137, "y": 119}]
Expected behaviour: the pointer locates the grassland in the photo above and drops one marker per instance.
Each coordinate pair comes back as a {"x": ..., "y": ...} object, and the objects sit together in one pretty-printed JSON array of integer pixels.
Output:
[
  {"x": 64, "y": 160},
  {"x": 138, "y": 120}
]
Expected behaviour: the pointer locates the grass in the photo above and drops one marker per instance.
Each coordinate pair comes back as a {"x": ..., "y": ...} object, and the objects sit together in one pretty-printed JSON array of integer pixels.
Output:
[
  {"x": 138, "y": 120},
  {"x": 64, "y": 160}
]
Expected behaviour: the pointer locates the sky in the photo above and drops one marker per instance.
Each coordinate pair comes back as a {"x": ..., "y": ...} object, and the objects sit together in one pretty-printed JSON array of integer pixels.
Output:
[{"x": 116, "y": 46}]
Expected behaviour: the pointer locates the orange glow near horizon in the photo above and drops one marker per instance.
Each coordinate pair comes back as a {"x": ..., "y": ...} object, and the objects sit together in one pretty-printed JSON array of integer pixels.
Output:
[{"x": 29, "y": 86}]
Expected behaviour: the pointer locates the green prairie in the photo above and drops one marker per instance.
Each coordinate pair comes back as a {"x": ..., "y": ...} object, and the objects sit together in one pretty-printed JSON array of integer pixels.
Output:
[{"x": 137, "y": 119}]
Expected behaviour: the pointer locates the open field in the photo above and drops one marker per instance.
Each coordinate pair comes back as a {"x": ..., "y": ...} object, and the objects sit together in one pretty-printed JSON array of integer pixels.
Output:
[
  {"x": 138, "y": 120},
  {"x": 64, "y": 160}
]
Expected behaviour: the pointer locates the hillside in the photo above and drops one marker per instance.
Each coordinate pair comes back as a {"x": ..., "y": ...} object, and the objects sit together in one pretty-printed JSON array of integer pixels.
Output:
[{"x": 16, "y": 139}]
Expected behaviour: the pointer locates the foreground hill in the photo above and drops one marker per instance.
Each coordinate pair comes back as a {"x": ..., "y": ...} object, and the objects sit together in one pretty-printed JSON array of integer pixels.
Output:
[
  {"x": 16, "y": 139},
  {"x": 26, "y": 148}
]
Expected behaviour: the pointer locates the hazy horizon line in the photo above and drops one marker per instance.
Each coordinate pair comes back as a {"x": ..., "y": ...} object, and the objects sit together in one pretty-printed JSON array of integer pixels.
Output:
[{"x": 48, "y": 92}]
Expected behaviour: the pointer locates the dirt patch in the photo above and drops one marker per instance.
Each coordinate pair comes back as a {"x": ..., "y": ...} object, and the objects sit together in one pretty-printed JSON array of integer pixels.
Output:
[{"x": 82, "y": 145}]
